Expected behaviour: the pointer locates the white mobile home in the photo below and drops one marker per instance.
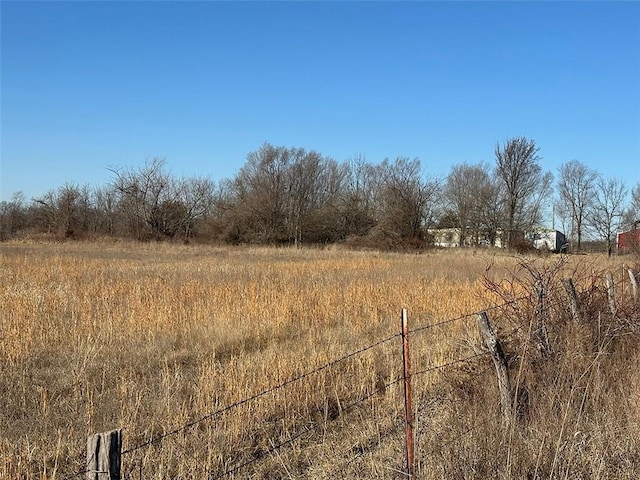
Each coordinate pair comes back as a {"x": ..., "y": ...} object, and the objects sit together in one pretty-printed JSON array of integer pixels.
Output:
[{"x": 551, "y": 240}]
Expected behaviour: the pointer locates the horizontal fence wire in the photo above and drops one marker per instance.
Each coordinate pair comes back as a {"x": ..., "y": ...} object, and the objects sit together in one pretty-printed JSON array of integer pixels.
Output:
[
  {"x": 466, "y": 315},
  {"x": 430, "y": 401},
  {"x": 442, "y": 397},
  {"x": 549, "y": 301},
  {"x": 79, "y": 473},
  {"x": 159, "y": 438},
  {"x": 448, "y": 396},
  {"x": 420, "y": 408},
  {"x": 423, "y": 403},
  {"x": 346, "y": 408},
  {"x": 449, "y": 364},
  {"x": 272, "y": 449},
  {"x": 219, "y": 412},
  {"x": 393, "y": 428},
  {"x": 456, "y": 438},
  {"x": 419, "y": 372}
]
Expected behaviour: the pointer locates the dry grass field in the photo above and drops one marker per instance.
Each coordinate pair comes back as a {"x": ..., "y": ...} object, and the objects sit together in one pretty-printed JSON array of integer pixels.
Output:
[{"x": 159, "y": 339}]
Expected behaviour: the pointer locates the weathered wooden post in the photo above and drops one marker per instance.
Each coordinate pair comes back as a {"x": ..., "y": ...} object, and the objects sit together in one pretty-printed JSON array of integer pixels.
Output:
[
  {"x": 634, "y": 284},
  {"x": 406, "y": 370},
  {"x": 573, "y": 299},
  {"x": 103, "y": 455},
  {"x": 542, "y": 336},
  {"x": 500, "y": 363},
  {"x": 611, "y": 294}
]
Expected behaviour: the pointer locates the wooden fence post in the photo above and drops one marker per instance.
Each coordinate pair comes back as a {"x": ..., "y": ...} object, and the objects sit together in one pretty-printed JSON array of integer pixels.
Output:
[
  {"x": 634, "y": 284},
  {"x": 103, "y": 455},
  {"x": 573, "y": 299},
  {"x": 611, "y": 294},
  {"x": 500, "y": 363},
  {"x": 406, "y": 370},
  {"x": 542, "y": 336}
]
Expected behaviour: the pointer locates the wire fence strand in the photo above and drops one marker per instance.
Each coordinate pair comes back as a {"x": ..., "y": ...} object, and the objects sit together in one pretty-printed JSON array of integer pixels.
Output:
[
  {"x": 219, "y": 412},
  {"x": 346, "y": 408},
  {"x": 449, "y": 364},
  {"x": 466, "y": 315}
]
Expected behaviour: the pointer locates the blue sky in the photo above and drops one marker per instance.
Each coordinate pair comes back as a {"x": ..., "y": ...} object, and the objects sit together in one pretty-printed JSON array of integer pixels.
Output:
[{"x": 88, "y": 85}]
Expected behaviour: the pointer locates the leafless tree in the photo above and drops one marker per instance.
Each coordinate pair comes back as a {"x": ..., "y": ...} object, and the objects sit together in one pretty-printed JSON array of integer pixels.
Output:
[
  {"x": 196, "y": 195},
  {"x": 304, "y": 191},
  {"x": 285, "y": 195},
  {"x": 324, "y": 223},
  {"x": 632, "y": 213},
  {"x": 143, "y": 193},
  {"x": 65, "y": 211},
  {"x": 221, "y": 223},
  {"x": 605, "y": 215},
  {"x": 13, "y": 216},
  {"x": 576, "y": 185},
  {"x": 260, "y": 202},
  {"x": 407, "y": 199},
  {"x": 525, "y": 185},
  {"x": 156, "y": 205},
  {"x": 108, "y": 218},
  {"x": 492, "y": 211},
  {"x": 469, "y": 194},
  {"x": 360, "y": 198},
  {"x": 561, "y": 216}
]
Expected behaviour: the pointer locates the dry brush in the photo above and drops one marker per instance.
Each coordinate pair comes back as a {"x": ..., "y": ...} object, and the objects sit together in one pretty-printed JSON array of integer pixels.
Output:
[{"x": 156, "y": 339}]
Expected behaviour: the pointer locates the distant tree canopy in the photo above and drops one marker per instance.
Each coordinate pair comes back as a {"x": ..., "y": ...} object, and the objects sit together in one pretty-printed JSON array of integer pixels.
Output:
[{"x": 296, "y": 196}]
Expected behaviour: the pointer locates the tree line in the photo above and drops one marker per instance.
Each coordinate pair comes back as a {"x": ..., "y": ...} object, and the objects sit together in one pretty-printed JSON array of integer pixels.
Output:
[{"x": 297, "y": 196}]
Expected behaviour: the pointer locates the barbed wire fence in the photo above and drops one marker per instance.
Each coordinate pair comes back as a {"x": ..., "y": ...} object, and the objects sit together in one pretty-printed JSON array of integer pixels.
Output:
[{"x": 309, "y": 429}]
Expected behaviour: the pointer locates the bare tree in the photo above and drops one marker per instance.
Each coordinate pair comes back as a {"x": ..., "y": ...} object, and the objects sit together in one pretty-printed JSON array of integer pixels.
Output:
[
  {"x": 492, "y": 211},
  {"x": 289, "y": 195},
  {"x": 407, "y": 199},
  {"x": 279, "y": 195},
  {"x": 13, "y": 216},
  {"x": 359, "y": 204},
  {"x": 304, "y": 188},
  {"x": 632, "y": 213},
  {"x": 107, "y": 213},
  {"x": 156, "y": 205},
  {"x": 324, "y": 222},
  {"x": 525, "y": 185},
  {"x": 65, "y": 211},
  {"x": 468, "y": 194},
  {"x": 605, "y": 215},
  {"x": 196, "y": 195},
  {"x": 222, "y": 222},
  {"x": 143, "y": 192},
  {"x": 576, "y": 188},
  {"x": 262, "y": 188},
  {"x": 561, "y": 216}
]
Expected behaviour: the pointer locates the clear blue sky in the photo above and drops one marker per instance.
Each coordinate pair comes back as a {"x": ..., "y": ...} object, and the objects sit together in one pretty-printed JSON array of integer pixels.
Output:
[{"x": 88, "y": 85}]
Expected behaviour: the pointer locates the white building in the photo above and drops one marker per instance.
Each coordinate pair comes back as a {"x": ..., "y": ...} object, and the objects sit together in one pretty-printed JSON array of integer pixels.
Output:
[
  {"x": 546, "y": 239},
  {"x": 450, "y": 237}
]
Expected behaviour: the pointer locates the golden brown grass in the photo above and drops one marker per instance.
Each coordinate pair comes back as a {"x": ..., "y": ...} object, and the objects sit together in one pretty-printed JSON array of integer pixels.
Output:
[{"x": 152, "y": 337}]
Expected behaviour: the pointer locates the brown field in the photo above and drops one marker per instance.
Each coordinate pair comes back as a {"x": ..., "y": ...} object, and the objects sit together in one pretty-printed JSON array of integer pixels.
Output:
[{"x": 158, "y": 339}]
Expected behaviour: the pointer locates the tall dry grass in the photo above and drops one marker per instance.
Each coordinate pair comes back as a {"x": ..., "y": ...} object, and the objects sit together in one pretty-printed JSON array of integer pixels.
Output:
[{"x": 153, "y": 337}]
